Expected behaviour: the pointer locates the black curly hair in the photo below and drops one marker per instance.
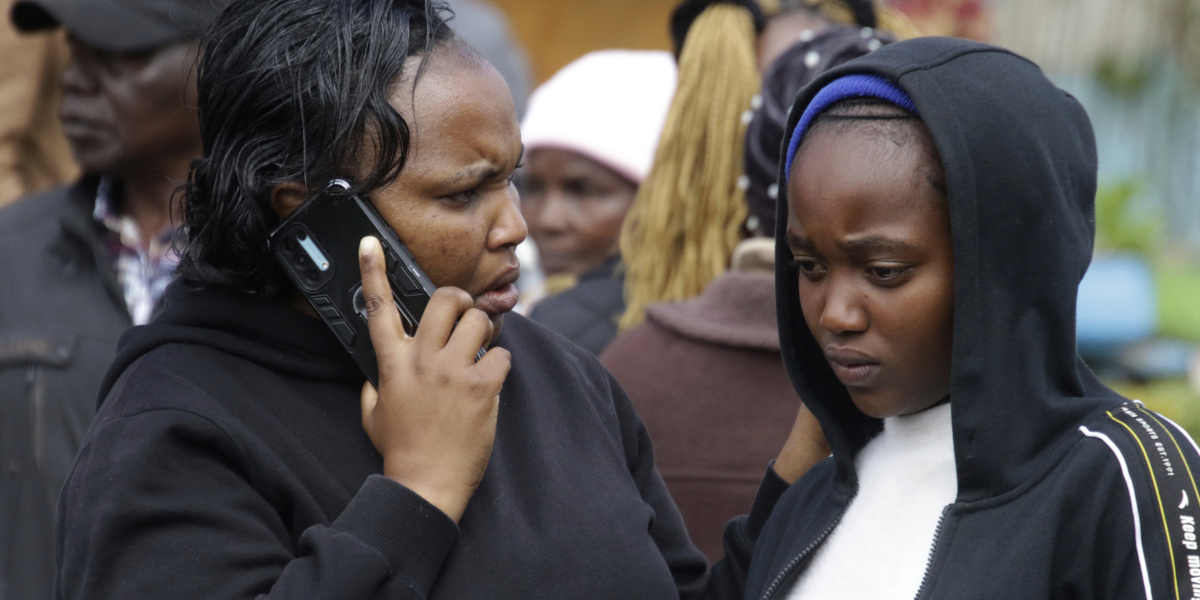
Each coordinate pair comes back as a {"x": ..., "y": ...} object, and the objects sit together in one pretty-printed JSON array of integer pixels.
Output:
[{"x": 292, "y": 91}]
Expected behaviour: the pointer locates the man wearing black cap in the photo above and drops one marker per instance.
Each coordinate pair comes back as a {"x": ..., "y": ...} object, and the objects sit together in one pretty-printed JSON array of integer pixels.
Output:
[{"x": 81, "y": 263}]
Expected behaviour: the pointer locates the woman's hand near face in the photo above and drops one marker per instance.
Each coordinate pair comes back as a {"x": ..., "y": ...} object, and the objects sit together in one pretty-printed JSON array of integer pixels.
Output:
[
  {"x": 433, "y": 418},
  {"x": 804, "y": 448}
]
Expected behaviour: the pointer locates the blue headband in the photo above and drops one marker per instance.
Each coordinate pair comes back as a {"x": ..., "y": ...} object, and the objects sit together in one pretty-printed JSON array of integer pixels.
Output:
[{"x": 851, "y": 86}]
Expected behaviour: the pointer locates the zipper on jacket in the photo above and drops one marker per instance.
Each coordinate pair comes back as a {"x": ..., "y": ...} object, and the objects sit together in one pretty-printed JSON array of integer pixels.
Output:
[
  {"x": 37, "y": 394},
  {"x": 787, "y": 570},
  {"x": 937, "y": 535}
]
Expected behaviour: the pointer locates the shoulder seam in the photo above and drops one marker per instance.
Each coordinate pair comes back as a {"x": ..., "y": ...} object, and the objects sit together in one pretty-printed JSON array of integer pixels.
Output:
[
  {"x": 145, "y": 411},
  {"x": 175, "y": 409}
]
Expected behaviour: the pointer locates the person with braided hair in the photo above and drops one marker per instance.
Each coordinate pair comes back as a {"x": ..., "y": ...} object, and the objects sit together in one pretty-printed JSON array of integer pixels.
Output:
[{"x": 688, "y": 213}]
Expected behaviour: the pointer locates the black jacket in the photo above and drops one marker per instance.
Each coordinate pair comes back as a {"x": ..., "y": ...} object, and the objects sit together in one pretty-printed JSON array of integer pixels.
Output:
[
  {"x": 228, "y": 460},
  {"x": 587, "y": 313},
  {"x": 61, "y": 313},
  {"x": 1065, "y": 489}
]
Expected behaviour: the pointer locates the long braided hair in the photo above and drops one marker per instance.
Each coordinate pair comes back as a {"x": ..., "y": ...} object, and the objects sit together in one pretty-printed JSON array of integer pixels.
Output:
[{"x": 688, "y": 214}]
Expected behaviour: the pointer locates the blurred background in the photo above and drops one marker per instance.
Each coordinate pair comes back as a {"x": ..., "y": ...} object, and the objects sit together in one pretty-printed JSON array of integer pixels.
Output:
[{"x": 1133, "y": 64}]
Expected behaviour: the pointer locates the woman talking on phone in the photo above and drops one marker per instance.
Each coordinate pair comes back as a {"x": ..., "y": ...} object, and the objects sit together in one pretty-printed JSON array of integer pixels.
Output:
[{"x": 237, "y": 452}]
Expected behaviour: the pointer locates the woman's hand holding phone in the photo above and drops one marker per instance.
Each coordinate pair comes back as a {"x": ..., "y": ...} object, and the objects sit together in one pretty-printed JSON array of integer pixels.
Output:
[{"x": 433, "y": 418}]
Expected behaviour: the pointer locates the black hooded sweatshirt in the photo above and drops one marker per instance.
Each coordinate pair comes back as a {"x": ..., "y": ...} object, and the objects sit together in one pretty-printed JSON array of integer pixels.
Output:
[
  {"x": 1065, "y": 489},
  {"x": 228, "y": 460}
]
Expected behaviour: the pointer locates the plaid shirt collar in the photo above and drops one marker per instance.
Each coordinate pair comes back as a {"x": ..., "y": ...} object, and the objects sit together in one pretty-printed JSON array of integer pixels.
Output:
[{"x": 142, "y": 271}]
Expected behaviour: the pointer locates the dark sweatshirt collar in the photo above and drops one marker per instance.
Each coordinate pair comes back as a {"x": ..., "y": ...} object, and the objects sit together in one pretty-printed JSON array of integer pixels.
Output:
[{"x": 1020, "y": 162}]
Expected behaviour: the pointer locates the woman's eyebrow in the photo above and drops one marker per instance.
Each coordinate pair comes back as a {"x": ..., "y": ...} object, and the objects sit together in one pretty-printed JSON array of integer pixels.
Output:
[
  {"x": 876, "y": 243},
  {"x": 477, "y": 172},
  {"x": 484, "y": 171}
]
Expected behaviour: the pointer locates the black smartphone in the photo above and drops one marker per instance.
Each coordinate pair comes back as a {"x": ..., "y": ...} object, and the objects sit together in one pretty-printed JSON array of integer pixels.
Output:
[{"x": 318, "y": 248}]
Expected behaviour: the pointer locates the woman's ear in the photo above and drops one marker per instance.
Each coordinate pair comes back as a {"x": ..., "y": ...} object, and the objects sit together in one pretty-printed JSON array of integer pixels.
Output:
[{"x": 286, "y": 198}]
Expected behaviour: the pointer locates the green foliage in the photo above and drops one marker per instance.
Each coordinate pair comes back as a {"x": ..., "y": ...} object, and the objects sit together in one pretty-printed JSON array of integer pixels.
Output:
[
  {"x": 1178, "y": 289},
  {"x": 1124, "y": 76},
  {"x": 1120, "y": 228}
]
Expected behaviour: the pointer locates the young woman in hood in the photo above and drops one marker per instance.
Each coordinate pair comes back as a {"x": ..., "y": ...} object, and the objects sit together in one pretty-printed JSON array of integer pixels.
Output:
[{"x": 935, "y": 222}]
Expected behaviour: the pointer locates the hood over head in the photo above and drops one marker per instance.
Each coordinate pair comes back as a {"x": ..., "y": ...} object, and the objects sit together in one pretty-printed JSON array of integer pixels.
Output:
[{"x": 1019, "y": 157}]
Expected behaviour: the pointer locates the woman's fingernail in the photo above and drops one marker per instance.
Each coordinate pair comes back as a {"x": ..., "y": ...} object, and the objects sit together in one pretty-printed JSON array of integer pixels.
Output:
[{"x": 366, "y": 247}]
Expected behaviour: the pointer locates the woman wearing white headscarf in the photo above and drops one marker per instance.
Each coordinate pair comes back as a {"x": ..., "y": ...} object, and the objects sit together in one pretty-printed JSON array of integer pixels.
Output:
[{"x": 590, "y": 134}]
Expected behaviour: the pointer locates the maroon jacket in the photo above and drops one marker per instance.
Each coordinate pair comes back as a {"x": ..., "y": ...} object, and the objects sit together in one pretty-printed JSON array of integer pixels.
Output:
[{"x": 707, "y": 378}]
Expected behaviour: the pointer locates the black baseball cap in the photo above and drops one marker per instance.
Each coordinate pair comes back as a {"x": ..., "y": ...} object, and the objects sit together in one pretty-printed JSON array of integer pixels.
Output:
[{"x": 120, "y": 25}]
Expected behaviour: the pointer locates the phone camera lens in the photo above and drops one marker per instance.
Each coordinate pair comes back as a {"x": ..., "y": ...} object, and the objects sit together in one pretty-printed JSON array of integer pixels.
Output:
[
  {"x": 302, "y": 260},
  {"x": 290, "y": 244},
  {"x": 312, "y": 275}
]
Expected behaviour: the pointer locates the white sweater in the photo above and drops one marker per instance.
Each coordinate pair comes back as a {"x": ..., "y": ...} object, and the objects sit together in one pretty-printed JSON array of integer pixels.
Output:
[{"x": 880, "y": 548}]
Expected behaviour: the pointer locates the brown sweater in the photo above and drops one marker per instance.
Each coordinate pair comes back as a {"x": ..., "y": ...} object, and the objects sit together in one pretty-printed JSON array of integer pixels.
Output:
[{"x": 707, "y": 378}]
